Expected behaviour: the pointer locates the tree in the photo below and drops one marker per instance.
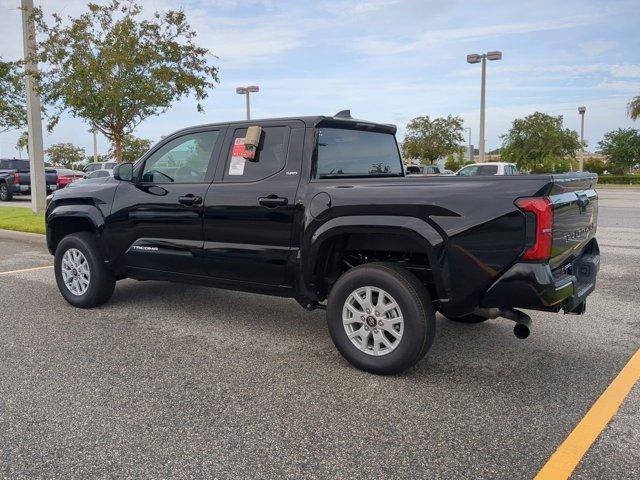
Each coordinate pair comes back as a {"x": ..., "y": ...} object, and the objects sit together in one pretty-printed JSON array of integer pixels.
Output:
[
  {"x": 538, "y": 143},
  {"x": 132, "y": 148},
  {"x": 456, "y": 161},
  {"x": 595, "y": 165},
  {"x": 428, "y": 140},
  {"x": 13, "y": 112},
  {"x": 23, "y": 143},
  {"x": 115, "y": 69},
  {"x": 633, "y": 109},
  {"x": 65, "y": 154},
  {"x": 622, "y": 148}
]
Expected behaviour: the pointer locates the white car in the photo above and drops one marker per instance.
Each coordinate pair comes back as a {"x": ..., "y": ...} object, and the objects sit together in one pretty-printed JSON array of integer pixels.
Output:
[
  {"x": 488, "y": 168},
  {"x": 99, "y": 174},
  {"x": 95, "y": 166}
]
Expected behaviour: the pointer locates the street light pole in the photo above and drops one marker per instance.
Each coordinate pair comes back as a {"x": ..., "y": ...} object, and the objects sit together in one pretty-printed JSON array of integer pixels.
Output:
[
  {"x": 247, "y": 91},
  {"x": 470, "y": 151},
  {"x": 476, "y": 58},
  {"x": 581, "y": 111},
  {"x": 95, "y": 145},
  {"x": 34, "y": 119},
  {"x": 483, "y": 85}
]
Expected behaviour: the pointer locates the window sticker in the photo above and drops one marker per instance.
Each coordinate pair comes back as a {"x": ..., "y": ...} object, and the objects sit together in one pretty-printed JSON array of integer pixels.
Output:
[{"x": 236, "y": 166}]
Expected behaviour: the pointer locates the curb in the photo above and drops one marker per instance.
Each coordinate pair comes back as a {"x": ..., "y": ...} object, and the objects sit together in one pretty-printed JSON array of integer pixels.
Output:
[{"x": 33, "y": 238}]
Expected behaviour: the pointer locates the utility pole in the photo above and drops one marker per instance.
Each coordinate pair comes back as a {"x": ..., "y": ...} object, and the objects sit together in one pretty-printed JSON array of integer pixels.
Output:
[
  {"x": 476, "y": 58},
  {"x": 34, "y": 109},
  {"x": 581, "y": 111},
  {"x": 246, "y": 91}
]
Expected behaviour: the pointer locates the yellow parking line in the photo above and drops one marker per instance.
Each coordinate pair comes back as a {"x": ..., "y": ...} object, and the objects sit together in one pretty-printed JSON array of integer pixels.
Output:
[
  {"x": 569, "y": 454},
  {"x": 25, "y": 270}
]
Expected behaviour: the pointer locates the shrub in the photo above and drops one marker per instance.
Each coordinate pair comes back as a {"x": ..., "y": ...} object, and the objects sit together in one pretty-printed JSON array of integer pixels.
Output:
[{"x": 619, "y": 179}]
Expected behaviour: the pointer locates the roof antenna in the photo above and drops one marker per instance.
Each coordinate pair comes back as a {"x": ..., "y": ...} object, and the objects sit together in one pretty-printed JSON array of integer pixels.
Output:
[{"x": 343, "y": 114}]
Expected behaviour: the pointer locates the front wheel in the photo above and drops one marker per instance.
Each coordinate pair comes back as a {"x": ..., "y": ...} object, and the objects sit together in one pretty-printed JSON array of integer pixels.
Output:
[
  {"x": 82, "y": 278},
  {"x": 380, "y": 318}
]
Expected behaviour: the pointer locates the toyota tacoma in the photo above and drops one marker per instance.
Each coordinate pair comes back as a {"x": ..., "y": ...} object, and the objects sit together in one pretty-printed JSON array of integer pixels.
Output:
[{"x": 320, "y": 209}]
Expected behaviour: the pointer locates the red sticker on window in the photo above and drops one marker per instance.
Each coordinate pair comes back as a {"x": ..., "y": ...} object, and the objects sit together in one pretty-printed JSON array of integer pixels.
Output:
[{"x": 238, "y": 148}]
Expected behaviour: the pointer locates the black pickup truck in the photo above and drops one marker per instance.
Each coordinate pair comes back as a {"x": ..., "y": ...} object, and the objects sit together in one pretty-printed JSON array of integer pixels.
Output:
[
  {"x": 15, "y": 178},
  {"x": 319, "y": 209}
]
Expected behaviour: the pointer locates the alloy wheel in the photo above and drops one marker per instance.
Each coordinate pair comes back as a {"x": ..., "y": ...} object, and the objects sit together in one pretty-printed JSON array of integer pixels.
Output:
[
  {"x": 75, "y": 271},
  {"x": 373, "y": 321}
]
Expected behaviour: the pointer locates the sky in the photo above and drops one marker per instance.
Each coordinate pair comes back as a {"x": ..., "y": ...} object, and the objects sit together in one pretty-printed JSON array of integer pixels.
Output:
[{"x": 392, "y": 60}]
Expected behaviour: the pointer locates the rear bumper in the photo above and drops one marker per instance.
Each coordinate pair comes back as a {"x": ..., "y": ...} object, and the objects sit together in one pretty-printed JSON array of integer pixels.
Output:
[{"x": 537, "y": 287}]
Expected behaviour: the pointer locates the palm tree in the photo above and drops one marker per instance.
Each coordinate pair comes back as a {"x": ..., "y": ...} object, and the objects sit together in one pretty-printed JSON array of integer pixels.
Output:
[{"x": 634, "y": 108}]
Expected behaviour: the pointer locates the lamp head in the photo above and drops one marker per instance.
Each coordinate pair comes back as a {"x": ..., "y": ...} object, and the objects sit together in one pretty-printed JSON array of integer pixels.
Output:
[{"x": 473, "y": 58}]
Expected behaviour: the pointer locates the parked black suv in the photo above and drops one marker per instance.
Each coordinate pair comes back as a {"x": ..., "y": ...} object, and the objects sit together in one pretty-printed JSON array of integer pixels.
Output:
[{"x": 319, "y": 209}]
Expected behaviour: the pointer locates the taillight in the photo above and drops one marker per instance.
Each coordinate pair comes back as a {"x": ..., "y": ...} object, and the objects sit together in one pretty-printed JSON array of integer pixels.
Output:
[
  {"x": 541, "y": 209},
  {"x": 16, "y": 178},
  {"x": 64, "y": 180}
]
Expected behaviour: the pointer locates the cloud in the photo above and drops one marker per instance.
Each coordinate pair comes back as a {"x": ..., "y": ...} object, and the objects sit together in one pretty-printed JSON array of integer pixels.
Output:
[
  {"x": 598, "y": 47},
  {"x": 620, "y": 86},
  {"x": 629, "y": 71},
  {"x": 432, "y": 38}
]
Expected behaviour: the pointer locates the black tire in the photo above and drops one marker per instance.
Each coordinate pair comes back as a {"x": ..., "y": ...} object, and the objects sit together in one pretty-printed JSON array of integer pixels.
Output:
[
  {"x": 102, "y": 281},
  {"x": 416, "y": 307},
  {"x": 471, "y": 318},
  {"x": 5, "y": 194}
]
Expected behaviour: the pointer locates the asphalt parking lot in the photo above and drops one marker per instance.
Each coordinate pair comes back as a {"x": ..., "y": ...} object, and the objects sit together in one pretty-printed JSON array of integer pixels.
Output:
[
  {"x": 172, "y": 380},
  {"x": 18, "y": 201}
]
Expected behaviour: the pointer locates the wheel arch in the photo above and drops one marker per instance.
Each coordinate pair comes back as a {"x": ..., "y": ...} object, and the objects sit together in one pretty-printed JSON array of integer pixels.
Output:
[
  {"x": 390, "y": 234},
  {"x": 67, "y": 219}
]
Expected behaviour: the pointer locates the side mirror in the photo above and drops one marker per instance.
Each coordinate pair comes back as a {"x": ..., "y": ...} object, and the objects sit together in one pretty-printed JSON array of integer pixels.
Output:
[{"x": 123, "y": 172}]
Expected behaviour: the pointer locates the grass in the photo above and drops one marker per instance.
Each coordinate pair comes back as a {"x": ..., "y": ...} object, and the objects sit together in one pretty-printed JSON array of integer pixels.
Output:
[{"x": 21, "y": 220}]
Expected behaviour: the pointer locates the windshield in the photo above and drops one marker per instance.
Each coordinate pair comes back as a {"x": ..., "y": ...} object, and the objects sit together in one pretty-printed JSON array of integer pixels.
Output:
[{"x": 356, "y": 153}]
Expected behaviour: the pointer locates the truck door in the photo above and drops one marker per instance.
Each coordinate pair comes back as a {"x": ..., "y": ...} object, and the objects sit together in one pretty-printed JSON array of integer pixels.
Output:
[
  {"x": 249, "y": 209},
  {"x": 158, "y": 218}
]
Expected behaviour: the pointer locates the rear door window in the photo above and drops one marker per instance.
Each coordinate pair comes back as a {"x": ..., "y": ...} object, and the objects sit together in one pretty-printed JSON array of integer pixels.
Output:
[
  {"x": 270, "y": 156},
  {"x": 356, "y": 153},
  {"x": 487, "y": 170}
]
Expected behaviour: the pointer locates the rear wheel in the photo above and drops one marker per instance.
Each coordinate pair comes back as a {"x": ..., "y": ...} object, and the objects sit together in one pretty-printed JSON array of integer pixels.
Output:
[
  {"x": 82, "y": 278},
  {"x": 5, "y": 194},
  {"x": 380, "y": 318}
]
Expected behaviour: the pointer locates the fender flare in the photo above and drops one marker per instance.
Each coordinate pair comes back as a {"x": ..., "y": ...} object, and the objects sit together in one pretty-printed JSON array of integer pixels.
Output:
[
  {"x": 426, "y": 232},
  {"x": 88, "y": 212}
]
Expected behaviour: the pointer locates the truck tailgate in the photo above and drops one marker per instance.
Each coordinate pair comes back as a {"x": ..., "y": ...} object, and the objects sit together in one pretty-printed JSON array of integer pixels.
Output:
[
  {"x": 575, "y": 217},
  {"x": 51, "y": 177}
]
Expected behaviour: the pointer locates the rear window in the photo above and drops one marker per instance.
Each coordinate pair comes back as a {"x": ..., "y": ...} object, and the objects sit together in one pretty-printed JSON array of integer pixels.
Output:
[
  {"x": 14, "y": 165},
  {"x": 413, "y": 170},
  {"x": 356, "y": 153}
]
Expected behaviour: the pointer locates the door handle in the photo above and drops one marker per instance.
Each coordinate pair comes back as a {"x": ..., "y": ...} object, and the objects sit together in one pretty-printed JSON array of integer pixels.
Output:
[
  {"x": 272, "y": 201},
  {"x": 190, "y": 200}
]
